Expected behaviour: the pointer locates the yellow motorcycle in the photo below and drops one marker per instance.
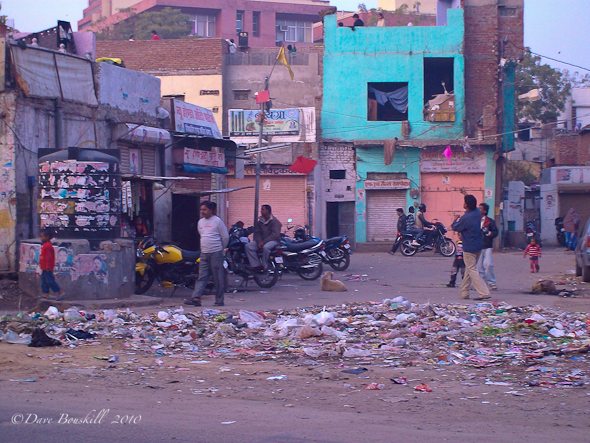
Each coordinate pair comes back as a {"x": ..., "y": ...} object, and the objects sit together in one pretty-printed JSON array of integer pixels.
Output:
[{"x": 170, "y": 265}]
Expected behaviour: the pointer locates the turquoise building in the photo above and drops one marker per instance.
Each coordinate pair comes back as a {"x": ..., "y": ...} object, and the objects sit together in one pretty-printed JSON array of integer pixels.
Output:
[{"x": 396, "y": 96}]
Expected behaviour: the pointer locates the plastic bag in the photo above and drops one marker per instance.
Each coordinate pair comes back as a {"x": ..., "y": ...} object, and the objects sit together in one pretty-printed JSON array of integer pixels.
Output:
[
  {"x": 72, "y": 314},
  {"x": 163, "y": 316},
  {"x": 356, "y": 352},
  {"x": 252, "y": 319},
  {"x": 331, "y": 332},
  {"x": 52, "y": 313},
  {"x": 324, "y": 318}
]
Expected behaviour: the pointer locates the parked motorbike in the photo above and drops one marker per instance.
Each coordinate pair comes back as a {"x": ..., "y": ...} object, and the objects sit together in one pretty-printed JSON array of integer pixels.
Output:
[
  {"x": 300, "y": 257},
  {"x": 444, "y": 245},
  {"x": 236, "y": 260},
  {"x": 170, "y": 265},
  {"x": 336, "y": 252},
  {"x": 560, "y": 231}
]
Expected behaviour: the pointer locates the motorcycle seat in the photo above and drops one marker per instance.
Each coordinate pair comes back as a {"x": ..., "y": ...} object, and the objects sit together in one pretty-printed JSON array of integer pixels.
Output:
[
  {"x": 301, "y": 246},
  {"x": 190, "y": 255},
  {"x": 333, "y": 240}
]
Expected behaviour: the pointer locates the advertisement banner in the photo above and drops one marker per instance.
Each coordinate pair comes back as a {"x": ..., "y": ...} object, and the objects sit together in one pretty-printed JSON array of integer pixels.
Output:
[
  {"x": 281, "y": 122},
  {"x": 193, "y": 119}
]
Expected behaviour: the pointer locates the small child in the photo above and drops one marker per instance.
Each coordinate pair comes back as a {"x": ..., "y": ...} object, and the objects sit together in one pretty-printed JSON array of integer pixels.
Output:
[
  {"x": 458, "y": 265},
  {"x": 47, "y": 265},
  {"x": 533, "y": 250}
]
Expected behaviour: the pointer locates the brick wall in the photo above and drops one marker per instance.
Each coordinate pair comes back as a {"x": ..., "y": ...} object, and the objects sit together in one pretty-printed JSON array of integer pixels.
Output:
[
  {"x": 571, "y": 149},
  {"x": 485, "y": 32}
]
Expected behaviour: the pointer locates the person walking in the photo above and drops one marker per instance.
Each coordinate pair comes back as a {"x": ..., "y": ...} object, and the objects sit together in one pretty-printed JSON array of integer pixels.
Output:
[
  {"x": 571, "y": 222},
  {"x": 469, "y": 227},
  {"x": 485, "y": 263},
  {"x": 47, "y": 265},
  {"x": 214, "y": 239},
  {"x": 155, "y": 36},
  {"x": 267, "y": 235},
  {"x": 533, "y": 250},
  {"x": 402, "y": 226},
  {"x": 458, "y": 265}
]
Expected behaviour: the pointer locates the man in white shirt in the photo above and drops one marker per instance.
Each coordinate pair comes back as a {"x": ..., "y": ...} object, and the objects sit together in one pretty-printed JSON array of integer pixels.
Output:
[{"x": 214, "y": 239}]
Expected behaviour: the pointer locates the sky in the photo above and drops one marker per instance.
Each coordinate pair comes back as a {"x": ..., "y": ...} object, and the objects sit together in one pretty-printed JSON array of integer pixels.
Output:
[{"x": 555, "y": 28}]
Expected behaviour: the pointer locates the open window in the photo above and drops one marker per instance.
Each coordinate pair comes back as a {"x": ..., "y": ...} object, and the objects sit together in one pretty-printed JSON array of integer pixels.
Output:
[
  {"x": 387, "y": 101},
  {"x": 439, "y": 86}
]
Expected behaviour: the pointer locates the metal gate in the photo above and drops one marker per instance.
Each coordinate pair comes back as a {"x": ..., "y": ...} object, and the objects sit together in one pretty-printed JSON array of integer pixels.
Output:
[{"x": 382, "y": 215}]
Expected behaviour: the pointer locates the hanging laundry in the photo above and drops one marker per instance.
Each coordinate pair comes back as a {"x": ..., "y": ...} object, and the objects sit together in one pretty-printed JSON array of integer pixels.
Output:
[
  {"x": 397, "y": 98},
  {"x": 388, "y": 151}
]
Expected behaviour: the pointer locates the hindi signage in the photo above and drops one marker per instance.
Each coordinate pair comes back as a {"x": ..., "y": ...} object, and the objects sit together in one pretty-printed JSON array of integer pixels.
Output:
[
  {"x": 193, "y": 119},
  {"x": 399, "y": 183}
]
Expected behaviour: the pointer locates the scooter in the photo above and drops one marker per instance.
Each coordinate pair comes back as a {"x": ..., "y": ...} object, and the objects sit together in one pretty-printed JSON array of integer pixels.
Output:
[{"x": 169, "y": 264}]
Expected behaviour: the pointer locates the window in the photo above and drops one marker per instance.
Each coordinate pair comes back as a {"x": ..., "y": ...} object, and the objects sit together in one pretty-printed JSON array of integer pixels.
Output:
[
  {"x": 507, "y": 11},
  {"x": 180, "y": 97},
  {"x": 439, "y": 84},
  {"x": 387, "y": 101},
  {"x": 239, "y": 21},
  {"x": 293, "y": 31},
  {"x": 256, "y": 24},
  {"x": 337, "y": 174},
  {"x": 204, "y": 26},
  {"x": 241, "y": 94}
]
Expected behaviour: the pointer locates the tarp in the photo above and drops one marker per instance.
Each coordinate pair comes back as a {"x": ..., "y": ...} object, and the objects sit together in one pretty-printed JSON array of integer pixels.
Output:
[{"x": 49, "y": 74}]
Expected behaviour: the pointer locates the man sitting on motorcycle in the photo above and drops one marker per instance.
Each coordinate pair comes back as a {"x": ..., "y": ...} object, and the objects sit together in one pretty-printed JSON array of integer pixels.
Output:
[
  {"x": 425, "y": 226},
  {"x": 267, "y": 235}
]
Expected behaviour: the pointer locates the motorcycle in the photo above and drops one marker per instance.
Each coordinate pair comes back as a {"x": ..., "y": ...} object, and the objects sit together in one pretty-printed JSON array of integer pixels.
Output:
[
  {"x": 170, "y": 265},
  {"x": 560, "y": 231},
  {"x": 444, "y": 245},
  {"x": 236, "y": 260},
  {"x": 336, "y": 252},
  {"x": 301, "y": 257}
]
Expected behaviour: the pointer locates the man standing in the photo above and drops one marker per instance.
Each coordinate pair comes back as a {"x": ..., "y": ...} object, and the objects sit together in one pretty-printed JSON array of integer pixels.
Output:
[
  {"x": 469, "y": 226},
  {"x": 402, "y": 226},
  {"x": 267, "y": 235},
  {"x": 485, "y": 263},
  {"x": 214, "y": 239}
]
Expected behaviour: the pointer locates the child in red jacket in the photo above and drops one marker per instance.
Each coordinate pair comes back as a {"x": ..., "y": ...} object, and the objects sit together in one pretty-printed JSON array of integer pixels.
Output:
[
  {"x": 533, "y": 250},
  {"x": 47, "y": 265}
]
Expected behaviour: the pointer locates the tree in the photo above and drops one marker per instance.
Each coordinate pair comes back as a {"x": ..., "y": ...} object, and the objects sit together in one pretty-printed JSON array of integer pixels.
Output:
[
  {"x": 362, "y": 7},
  {"x": 576, "y": 79},
  {"x": 167, "y": 22},
  {"x": 554, "y": 86}
]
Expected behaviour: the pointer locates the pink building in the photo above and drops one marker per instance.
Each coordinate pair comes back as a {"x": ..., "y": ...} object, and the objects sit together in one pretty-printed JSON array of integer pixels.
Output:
[{"x": 266, "y": 22}]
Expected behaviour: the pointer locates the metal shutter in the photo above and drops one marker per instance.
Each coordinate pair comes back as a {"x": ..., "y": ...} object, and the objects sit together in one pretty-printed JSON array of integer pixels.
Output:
[
  {"x": 124, "y": 165},
  {"x": 382, "y": 215},
  {"x": 148, "y": 161},
  {"x": 287, "y": 197},
  {"x": 580, "y": 202}
]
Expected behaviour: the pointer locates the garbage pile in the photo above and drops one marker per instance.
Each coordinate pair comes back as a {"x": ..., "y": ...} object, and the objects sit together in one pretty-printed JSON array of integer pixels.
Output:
[{"x": 394, "y": 332}]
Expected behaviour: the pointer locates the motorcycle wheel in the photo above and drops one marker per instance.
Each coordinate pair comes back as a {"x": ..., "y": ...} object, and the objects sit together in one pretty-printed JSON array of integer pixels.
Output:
[
  {"x": 407, "y": 249},
  {"x": 339, "y": 260},
  {"x": 267, "y": 279},
  {"x": 447, "y": 247},
  {"x": 312, "y": 273},
  {"x": 144, "y": 282}
]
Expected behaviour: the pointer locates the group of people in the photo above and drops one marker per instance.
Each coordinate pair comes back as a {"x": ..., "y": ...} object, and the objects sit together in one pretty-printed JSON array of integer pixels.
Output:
[
  {"x": 214, "y": 240},
  {"x": 415, "y": 223}
]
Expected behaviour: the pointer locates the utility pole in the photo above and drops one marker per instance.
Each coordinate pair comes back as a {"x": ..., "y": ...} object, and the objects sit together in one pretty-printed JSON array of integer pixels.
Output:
[
  {"x": 263, "y": 107},
  {"x": 258, "y": 158}
]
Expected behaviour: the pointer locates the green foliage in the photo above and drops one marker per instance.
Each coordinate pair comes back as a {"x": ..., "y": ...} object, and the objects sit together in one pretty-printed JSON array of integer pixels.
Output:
[
  {"x": 167, "y": 22},
  {"x": 554, "y": 85}
]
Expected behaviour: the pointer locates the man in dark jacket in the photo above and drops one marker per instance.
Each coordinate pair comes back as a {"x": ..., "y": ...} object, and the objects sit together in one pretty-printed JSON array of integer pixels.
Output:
[
  {"x": 401, "y": 220},
  {"x": 267, "y": 235},
  {"x": 469, "y": 226},
  {"x": 485, "y": 263}
]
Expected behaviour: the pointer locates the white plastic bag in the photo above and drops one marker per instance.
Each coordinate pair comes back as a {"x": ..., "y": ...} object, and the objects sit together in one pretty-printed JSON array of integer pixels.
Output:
[{"x": 252, "y": 319}]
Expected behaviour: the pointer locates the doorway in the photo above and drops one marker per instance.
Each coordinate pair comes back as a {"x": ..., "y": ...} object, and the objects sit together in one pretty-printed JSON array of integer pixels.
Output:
[
  {"x": 185, "y": 216},
  {"x": 340, "y": 219}
]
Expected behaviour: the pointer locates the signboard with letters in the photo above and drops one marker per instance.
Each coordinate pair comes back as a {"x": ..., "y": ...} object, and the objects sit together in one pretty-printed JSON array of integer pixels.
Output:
[
  {"x": 246, "y": 122},
  {"x": 432, "y": 160},
  {"x": 193, "y": 119},
  {"x": 204, "y": 158},
  {"x": 398, "y": 183}
]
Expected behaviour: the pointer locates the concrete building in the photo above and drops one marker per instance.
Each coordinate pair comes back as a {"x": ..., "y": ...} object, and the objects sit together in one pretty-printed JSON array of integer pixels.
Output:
[
  {"x": 424, "y": 6},
  {"x": 265, "y": 22},
  {"x": 65, "y": 125},
  {"x": 441, "y": 94}
]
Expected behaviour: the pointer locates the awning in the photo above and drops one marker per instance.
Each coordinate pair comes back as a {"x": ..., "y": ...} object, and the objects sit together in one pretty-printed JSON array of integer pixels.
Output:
[
  {"x": 209, "y": 142},
  {"x": 146, "y": 134},
  {"x": 198, "y": 169},
  {"x": 574, "y": 188},
  {"x": 157, "y": 178},
  {"x": 210, "y": 191}
]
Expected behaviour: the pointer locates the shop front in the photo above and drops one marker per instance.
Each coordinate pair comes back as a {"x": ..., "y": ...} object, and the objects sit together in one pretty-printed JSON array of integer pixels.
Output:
[
  {"x": 141, "y": 151},
  {"x": 445, "y": 181}
]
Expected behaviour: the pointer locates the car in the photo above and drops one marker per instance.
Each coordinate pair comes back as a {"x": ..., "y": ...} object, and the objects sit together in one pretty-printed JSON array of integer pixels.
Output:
[{"x": 583, "y": 252}]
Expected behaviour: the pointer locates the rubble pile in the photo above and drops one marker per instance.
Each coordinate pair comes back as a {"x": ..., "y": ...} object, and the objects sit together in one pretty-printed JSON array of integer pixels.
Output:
[{"x": 543, "y": 342}]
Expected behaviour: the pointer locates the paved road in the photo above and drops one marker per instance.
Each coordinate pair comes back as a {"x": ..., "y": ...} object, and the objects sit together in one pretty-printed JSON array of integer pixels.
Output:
[{"x": 421, "y": 278}]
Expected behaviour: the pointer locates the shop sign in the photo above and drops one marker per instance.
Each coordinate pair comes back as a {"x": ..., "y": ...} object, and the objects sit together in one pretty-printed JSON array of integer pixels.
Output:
[
  {"x": 193, "y": 119},
  {"x": 460, "y": 162},
  {"x": 246, "y": 123},
  {"x": 204, "y": 158},
  {"x": 399, "y": 183}
]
